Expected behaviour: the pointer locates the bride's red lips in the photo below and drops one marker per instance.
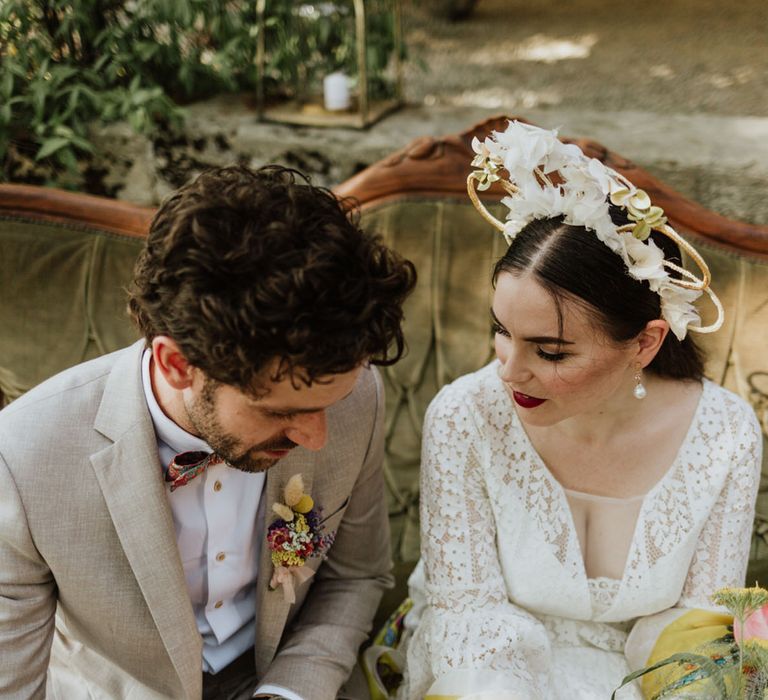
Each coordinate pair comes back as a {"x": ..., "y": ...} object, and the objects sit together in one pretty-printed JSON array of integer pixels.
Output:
[{"x": 526, "y": 401}]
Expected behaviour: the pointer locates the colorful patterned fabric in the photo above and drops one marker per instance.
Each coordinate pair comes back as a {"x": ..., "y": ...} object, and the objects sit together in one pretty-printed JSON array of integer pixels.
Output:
[
  {"x": 383, "y": 662},
  {"x": 185, "y": 466},
  {"x": 700, "y": 631}
]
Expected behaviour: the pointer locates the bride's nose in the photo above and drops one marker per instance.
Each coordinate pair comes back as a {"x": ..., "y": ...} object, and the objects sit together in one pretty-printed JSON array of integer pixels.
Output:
[{"x": 514, "y": 367}]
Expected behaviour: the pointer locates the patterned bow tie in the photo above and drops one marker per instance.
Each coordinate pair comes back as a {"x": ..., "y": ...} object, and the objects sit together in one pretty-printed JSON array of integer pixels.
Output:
[{"x": 187, "y": 465}]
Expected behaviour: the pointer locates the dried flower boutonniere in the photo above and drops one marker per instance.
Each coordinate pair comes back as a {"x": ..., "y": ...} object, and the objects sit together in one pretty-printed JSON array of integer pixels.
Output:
[{"x": 294, "y": 537}]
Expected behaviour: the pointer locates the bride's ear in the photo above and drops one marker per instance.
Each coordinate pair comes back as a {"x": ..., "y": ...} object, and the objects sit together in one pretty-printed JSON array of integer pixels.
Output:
[{"x": 650, "y": 340}]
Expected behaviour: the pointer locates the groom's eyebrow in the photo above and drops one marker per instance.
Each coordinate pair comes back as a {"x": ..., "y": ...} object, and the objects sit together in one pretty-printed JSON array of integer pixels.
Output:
[
  {"x": 540, "y": 339},
  {"x": 304, "y": 409}
]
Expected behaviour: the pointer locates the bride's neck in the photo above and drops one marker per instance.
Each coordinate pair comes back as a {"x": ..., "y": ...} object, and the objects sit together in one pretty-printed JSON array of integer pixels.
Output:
[{"x": 618, "y": 414}]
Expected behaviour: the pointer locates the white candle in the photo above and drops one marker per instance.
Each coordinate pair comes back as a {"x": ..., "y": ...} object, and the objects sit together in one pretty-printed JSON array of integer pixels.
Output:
[{"x": 336, "y": 92}]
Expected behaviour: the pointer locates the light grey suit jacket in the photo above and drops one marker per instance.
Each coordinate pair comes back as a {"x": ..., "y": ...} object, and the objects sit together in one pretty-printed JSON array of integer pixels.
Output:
[{"x": 93, "y": 599}]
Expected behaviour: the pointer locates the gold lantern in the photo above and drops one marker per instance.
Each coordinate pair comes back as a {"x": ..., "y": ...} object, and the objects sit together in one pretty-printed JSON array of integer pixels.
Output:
[{"x": 335, "y": 63}]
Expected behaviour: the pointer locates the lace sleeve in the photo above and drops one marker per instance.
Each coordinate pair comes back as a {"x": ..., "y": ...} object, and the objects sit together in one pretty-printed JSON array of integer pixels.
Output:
[
  {"x": 469, "y": 622},
  {"x": 722, "y": 552}
]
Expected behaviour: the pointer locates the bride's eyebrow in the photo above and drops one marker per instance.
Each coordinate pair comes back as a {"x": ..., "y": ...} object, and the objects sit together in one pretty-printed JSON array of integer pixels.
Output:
[
  {"x": 546, "y": 340},
  {"x": 541, "y": 340}
]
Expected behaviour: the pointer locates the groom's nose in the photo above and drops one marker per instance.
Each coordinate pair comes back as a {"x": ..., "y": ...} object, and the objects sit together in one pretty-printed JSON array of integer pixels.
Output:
[{"x": 309, "y": 430}]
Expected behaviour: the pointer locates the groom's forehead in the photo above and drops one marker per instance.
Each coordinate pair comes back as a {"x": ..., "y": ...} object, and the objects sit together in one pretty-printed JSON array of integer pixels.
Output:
[{"x": 295, "y": 393}]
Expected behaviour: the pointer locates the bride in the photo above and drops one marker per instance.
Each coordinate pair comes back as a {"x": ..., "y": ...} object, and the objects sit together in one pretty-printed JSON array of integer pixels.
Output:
[{"x": 589, "y": 485}]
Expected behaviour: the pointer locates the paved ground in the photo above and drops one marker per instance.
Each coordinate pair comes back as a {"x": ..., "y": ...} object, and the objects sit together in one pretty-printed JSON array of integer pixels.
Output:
[
  {"x": 679, "y": 86},
  {"x": 660, "y": 56}
]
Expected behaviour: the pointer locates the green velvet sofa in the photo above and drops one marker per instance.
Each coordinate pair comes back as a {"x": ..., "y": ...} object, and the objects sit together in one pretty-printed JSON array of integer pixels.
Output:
[{"x": 65, "y": 259}]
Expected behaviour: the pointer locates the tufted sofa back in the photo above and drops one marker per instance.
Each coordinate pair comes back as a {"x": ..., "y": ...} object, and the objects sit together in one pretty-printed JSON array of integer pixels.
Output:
[{"x": 65, "y": 260}]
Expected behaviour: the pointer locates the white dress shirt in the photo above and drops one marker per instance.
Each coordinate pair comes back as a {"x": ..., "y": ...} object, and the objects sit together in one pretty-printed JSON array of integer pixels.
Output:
[{"x": 218, "y": 517}]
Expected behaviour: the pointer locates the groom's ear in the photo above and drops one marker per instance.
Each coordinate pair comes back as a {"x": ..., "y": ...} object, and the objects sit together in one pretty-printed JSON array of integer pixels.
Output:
[{"x": 171, "y": 362}]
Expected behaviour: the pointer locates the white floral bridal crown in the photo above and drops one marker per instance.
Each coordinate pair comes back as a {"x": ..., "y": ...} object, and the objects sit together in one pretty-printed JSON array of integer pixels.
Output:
[{"x": 548, "y": 178}]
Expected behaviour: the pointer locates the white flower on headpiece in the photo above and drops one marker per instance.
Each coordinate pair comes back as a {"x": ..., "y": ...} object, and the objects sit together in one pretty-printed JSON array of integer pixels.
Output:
[
  {"x": 511, "y": 228},
  {"x": 576, "y": 179},
  {"x": 584, "y": 203},
  {"x": 485, "y": 151},
  {"x": 647, "y": 260},
  {"x": 600, "y": 174},
  {"x": 525, "y": 148},
  {"x": 677, "y": 307},
  {"x": 488, "y": 161},
  {"x": 548, "y": 178},
  {"x": 562, "y": 154},
  {"x": 535, "y": 200},
  {"x": 481, "y": 152},
  {"x": 606, "y": 232}
]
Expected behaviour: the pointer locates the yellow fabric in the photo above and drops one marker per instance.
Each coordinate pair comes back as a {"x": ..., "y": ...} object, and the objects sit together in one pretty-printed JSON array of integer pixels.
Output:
[{"x": 688, "y": 633}]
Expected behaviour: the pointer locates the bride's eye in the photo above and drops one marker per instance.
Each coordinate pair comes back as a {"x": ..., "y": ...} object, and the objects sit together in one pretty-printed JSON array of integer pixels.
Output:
[
  {"x": 550, "y": 356},
  {"x": 498, "y": 328}
]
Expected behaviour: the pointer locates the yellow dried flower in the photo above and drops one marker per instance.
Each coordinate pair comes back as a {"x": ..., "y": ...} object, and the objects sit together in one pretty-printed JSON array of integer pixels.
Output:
[
  {"x": 301, "y": 524},
  {"x": 293, "y": 559},
  {"x": 285, "y": 558},
  {"x": 305, "y": 504},
  {"x": 741, "y": 602}
]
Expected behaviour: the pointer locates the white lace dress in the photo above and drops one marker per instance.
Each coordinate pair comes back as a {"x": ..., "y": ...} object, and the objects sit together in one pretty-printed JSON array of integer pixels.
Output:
[{"x": 504, "y": 591}]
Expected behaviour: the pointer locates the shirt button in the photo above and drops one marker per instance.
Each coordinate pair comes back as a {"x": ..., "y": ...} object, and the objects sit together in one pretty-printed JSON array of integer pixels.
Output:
[
  {"x": 218, "y": 604},
  {"x": 221, "y": 556},
  {"x": 217, "y": 486}
]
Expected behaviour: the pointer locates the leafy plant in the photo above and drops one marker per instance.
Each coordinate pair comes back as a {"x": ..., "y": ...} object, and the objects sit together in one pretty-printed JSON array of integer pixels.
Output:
[{"x": 70, "y": 63}]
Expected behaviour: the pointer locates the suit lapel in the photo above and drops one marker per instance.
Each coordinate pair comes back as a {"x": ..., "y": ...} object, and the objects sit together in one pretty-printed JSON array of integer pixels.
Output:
[
  {"x": 271, "y": 608},
  {"x": 129, "y": 474}
]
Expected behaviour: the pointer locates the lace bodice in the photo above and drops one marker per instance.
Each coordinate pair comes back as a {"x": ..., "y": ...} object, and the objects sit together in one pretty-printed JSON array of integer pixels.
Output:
[
  {"x": 504, "y": 577},
  {"x": 602, "y": 593}
]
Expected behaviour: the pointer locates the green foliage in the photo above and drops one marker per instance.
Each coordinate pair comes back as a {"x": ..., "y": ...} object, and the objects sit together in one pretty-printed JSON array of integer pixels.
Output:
[{"x": 69, "y": 63}]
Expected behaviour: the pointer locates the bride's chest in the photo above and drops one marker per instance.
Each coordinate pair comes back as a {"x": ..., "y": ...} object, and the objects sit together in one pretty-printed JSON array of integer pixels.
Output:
[
  {"x": 623, "y": 468},
  {"x": 538, "y": 540}
]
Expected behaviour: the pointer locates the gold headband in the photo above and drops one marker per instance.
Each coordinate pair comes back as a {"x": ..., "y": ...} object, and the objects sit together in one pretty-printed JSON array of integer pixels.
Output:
[{"x": 529, "y": 154}]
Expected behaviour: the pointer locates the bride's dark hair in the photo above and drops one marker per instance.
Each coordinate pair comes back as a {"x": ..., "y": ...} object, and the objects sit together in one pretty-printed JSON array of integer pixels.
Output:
[{"x": 570, "y": 262}]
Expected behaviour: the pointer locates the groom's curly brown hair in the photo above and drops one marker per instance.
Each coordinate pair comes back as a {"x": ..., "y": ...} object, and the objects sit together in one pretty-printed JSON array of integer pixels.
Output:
[{"x": 243, "y": 267}]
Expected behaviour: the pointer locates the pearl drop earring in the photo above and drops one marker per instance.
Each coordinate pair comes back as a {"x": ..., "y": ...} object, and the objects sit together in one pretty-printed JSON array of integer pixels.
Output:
[{"x": 639, "y": 390}]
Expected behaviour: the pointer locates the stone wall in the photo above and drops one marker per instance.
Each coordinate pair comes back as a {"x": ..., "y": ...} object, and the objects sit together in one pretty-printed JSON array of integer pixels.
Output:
[{"x": 721, "y": 162}]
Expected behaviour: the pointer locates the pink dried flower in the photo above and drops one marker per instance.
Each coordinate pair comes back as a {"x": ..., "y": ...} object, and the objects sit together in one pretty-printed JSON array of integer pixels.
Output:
[{"x": 755, "y": 626}]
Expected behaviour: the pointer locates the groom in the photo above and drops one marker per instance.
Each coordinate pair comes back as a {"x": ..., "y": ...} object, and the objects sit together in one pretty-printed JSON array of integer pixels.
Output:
[{"x": 137, "y": 490}]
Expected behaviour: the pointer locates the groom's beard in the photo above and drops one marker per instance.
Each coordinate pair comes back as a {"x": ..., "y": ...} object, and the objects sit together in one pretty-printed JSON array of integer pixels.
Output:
[
  {"x": 251, "y": 461},
  {"x": 202, "y": 416}
]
